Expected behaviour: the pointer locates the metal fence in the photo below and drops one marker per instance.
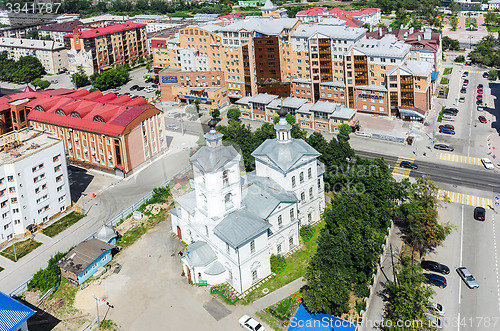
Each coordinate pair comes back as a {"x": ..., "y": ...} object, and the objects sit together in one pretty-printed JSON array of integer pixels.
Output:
[{"x": 112, "y": 222}]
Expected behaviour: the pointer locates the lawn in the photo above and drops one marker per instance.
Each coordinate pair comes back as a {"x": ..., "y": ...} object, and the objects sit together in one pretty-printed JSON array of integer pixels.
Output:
[
  {"x": 493, "y": 28},
  {"x": 440, "y": 116},
  {"x": 66, "y": 291},
  {"x": 23, "y": 248},
  {"x": 132, "y": 235},
  {"x": 444, "y": 81},
  {"x": 62, "y": 224},
  {"x": 296, "y": 267},
  {"x": 447, "y": 71},
  {"x": 442, "y": 92}
]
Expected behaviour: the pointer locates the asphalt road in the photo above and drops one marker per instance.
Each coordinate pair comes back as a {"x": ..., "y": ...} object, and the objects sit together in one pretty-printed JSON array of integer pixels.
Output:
[{"x": 482, "y": 179}]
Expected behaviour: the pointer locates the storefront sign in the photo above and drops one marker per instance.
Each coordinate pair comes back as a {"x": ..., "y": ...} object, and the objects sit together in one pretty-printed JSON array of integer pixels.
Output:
[
  {"x": 370, "y": 96},
  {"x": 169, "y": 79},
  {"x": 201, "y": 93},
  {"x": 188, "y": 97}
]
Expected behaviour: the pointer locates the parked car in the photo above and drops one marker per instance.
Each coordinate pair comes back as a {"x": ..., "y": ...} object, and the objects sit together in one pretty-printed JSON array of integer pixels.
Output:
[
  {"x": 435, "y": 266},
  {"x": 134, "y": 87},
  {"x": 480, "y": 86},
  {"x": 486, "y": 74},
  {"x": 466, "y": 81},
  {"x": 453, "y": 109},
  {"x": 172, "y": 127},
  {"x": 154, "y": 85},
  {"x": 479, "y": 102},
  {"x": 140, "y": 88},
  {"x": 480, "y": 108},
  {"x": 435, "y": 280},
  {"x": 448, "y": 126},
  {"x": 487, "y": 163},
  {"x": 439, "y": 309},
  {"x": 116, "y": 89},
  {"x": 479, "y": 91},
  {"x": 467, "y": 277},
  {"x": 482, "y": 119},
  {"x": 149, "y": 80},
  {"x": 479, "y": 97},
  {"x": 463, "y": 90},
  {"x": 250, "y": 324},
  {"x": 479, "y": 214},
  {"x": 54, "y": 81},
  {"x": 407, "y": 164},
  {"x": 448, "y": 118},
  {"x": 449, "y": 112},
  {"x": 434, "y": 322},
  {"x": 465, "y": 74},
  {"x": 149, "y": 89},
  {"x": 447, "y": 131},
  {"x": 461, "y": 100},
  {"x": 443, "y": 147}
]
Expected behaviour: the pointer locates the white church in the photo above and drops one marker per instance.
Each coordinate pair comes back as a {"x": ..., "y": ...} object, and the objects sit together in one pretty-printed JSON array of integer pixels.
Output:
[{"x": 233, "y": 223}]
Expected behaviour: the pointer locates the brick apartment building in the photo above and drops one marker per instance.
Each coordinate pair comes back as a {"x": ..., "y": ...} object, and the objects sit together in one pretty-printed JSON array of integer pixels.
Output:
[
  {"x": 105, "y": 132},
  {"x": 103, "y": 48},
  {"x": 325, "y": 61}
]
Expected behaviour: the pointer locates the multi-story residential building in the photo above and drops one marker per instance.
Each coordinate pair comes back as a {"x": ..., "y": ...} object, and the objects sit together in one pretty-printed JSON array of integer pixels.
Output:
[
  {"x": 103, "y": 48},
  {"x": 104, "y": 20},
  {"x": 22, "y": 18},
  {"x": 18, "y": 31},
  {"x": 52, "y": 55},
  {"x": 364, "y": 15},
  {"x": 493, "y": 4},
  {"x": 323, "y": 116},
  {"x": 425, "y": 45},
  {"x": 230, "y": 18},
  {"x": 33, "y": 181},
  {"x": 57, "y": 31},
  {"x": 105, "y": 132},
  {"x": 233, "y": 223},
  {"x": 208, "y": 87}
]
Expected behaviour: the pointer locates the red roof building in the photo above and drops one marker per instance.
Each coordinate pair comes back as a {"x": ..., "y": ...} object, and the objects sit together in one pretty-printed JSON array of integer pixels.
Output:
[
  {"x": 103, "y": 48},
  {"x": 103, "y": 131},
  {"x": 230, "y": 18},
  {"x": 352, "y": 17}
]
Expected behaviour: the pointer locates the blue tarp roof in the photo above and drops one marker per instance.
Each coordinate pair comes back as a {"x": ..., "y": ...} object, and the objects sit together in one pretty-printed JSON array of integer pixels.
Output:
[
  {"x": 434, "y": 75},
  {"x": 305, "y": 321},
  {"x": 12, "y": 313}
]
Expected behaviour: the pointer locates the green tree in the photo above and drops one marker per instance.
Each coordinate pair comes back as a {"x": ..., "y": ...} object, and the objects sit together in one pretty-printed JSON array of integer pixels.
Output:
[
  {"x": 454, "y": 22},
  {"x": 197, "y": 105},
  {"x": 344, "y": 130},
  {"x": 43, "y": 84},
  {"x": 493, "y": 74},
  {"x": 455, "y": 8},
  {"x": 79, "y": 78},
  {"x": 450, "y": 44},
  {"x": 289, "y": 118},
  {"x": 490, "y": 18},
  {"x": 234, "y": 114},
  {"x": 109, "y": 79},
  {"x": 215, "y": 113},
  {"x": 32, "y": 34}
]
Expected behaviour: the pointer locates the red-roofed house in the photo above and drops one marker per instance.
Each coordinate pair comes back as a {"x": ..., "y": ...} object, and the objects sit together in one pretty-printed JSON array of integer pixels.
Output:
[
  {"x": 230, "y": 18},
  {"x": 316, "y": 14},
  {"x": 110, "y": 133},
  {"x": 103, "y": 48}
]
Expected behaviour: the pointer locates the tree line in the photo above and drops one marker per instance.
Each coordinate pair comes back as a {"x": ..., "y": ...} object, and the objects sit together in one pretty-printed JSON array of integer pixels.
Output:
[{"x": 26, "y": 68}]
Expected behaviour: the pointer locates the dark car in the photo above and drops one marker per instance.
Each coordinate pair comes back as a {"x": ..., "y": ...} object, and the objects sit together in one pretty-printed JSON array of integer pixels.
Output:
[
  {"x": 479, "y": 213},
  {"x": 486, "y": 75},
  {"x": 482, "y": 119},
  {"x": 134, "y": 87},
  {"x": 449, "y": 112},
  {"x": 443, "y": 147},
  {"x": 434, "y": 279},
  {"x": 465, "y": 74},
  {"x": 407, "y": 164},
  {"x": 448, "y": 126},
  {"x": 466, "y": 81},
  {"x": 140, "y": 88},
  {"x": 154, "y": 85},
  {"x": 447, "y": 131},
  {"x": 149, "y": 80},
  {"x": 434, "y": 266},
  {"x": 452, "y": 109},
  {"x": 479, "y": 102},
  {"x": 463, "y": 90},
  {"x": 480, "y": 86}
]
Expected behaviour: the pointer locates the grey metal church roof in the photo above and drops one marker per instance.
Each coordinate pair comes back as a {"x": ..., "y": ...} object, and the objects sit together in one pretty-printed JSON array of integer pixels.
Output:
[
  {"x": 215, "y": 269},
  {"x": 106, "y": 233},
  {"x": 187, "y": 201},
  {"x": 239, "y": 227},
  {"x": 199, "y": 254},
  {"x": 210, "y": 159}
]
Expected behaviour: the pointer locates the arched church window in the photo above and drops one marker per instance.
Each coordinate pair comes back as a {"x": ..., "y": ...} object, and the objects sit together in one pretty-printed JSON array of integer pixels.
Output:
[
  {"x": 228, "y": 201},
  {"x": 225, "y": 177}
]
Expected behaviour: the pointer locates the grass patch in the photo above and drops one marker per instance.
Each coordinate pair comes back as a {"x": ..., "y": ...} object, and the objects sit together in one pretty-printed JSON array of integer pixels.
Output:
[
  {"x": 296, "y": 267},
  {"x": 444, "y": 81},
  {"x": 493, "y": 28},
  {"x": 447, "y": 71},
  {"x": 132, "y": 235},
  {"x": 23, "y": 248},
  {"x": 66, "y": 291},
  {"x": 269, "y": 320},
  {"x": 62, "y": 224},
  {"x": 442, "y": 92},
  {"x": 440, "y": 116},
  {"x": 109, "y": 325}
]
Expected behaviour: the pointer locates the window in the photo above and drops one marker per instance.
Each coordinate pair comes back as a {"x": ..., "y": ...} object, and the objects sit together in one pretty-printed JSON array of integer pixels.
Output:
[
  {"x": 319, "y": 183},
  {"x": 10, "y": 178},
  {"x": 254, "y": 275},
  {"x": 293, "y": 181},
  {"x": 280, "y": 221},
  {"x": 12, "y": 190},
  {"x": 228, "y": 201},
  {"x": 252, "y": 246},
  {"x": 13, "y": 200},
  {"x": 15, "y": 210},
  {"x": 301, "y": 177},
  {"x": 302, "y": 197},
  {"x": 309, "y": 218},
  {"x": 59, "y": 178},
  {"x": 278, "y": 248},
  {"x": 61, "y": 198},
  {"x": 225, "y": 177},
  {"x": 310, "y": 192},
  {"x": 57, "y": 168},
  {"x": 227, "y": 248},
  {"x": 206, "y": 230},
  {"x": 309, "y": 173},
  {"x": 17, "y": 221},
  {"x": 290, "y": 242},
  {"x": 4, "y": 215},
  {"x": 292, "y": 213}
]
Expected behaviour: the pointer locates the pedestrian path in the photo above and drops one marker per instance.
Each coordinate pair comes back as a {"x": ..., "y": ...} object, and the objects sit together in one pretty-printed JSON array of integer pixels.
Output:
[
  {"x": 403, "y": 172},
  {"x": 465, "y": 199},
  {"x": 460, "y": 158}
]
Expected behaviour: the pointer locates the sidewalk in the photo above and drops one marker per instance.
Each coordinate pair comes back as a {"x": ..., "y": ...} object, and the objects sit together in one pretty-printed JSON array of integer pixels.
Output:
[
  {"x": 278, "y": 295},
  {"x": 375, "y": 311}
]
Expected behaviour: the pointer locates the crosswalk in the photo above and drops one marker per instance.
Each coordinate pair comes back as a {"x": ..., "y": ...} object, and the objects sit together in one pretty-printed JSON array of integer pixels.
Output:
[
  {"x": 465, "y": 199},
  {"x": 403, "y": 172},
  {"x": 460, "y": 158},
  {"x": 476, "y": 71}
]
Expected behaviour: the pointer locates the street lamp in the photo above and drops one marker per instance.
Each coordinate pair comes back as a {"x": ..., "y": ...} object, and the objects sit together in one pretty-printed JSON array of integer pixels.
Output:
[{"x": 97, "y": 309}]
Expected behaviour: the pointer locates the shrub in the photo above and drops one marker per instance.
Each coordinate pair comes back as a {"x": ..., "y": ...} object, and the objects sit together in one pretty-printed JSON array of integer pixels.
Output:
[
  {"x": 444, "y": 81},
  {"x": 278, "y": 263},
  {"x": 460, "y": 59},
  {"x": 45, "y": 279},
  {"x": 234, "y": 114},
  {"x": 360, "y": 305},
  {"x": 306, "y": 232},
  {"x": 361, "y": 290},
  {"x": 493, "y": 75}
]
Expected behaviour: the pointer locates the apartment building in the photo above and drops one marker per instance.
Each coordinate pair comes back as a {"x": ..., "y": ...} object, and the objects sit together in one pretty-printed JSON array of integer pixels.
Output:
[
  {"x": 371, "y": 16},
  {"x": 57, "y": 31},
  {"x": 103, "y": 48},
  {"x": 23, "y": 18},
  {"x": 52, "y": 55},
  {"x": 425, "y": 45},
  {"x": 104, "y": 20},
  {"x": 33, "y": 181},
  {"x": 105, "y": 132},
  {"x": 208, "y": 87},
  {"x": 323, "y": 116}
]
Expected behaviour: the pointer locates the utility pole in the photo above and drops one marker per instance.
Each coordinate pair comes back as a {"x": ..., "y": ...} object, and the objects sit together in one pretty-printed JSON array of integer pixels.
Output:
[
  {"x": 182, "y": 125},
  {"x": 97, "y": 309},
  {"x": 15, "y": 255},
  {"x": 393, "y": 269}
]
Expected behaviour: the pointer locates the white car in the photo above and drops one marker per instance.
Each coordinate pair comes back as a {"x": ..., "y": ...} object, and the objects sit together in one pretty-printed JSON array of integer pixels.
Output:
[
  {"x": 461, "y": 100},
  {"x": 487, "y": 163},
  {"x": 438, "y": 308},
  {"x": 250, "y": 324},
  {"x": 171, "y": 127},
  {"x": 149, "y": 89},
  {"x": 435, "y": 322}
]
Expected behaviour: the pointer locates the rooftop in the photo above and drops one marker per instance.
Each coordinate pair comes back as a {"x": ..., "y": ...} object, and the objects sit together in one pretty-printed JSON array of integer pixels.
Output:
[
  {"x": 387, "y": 46},
  {"x": 12, "y": 313},
  {"x": 30, "y": 44},
  {"x": 106, "y": 17},
  {"x": 83, "y": 255},
  {"x": 110, "y": 29},
  {"x": 61, "y": 27},
  {"x": 266, "y": 26},
  {"x": 342, "y": 32},
  {"x": 17, "y": 145},
  {"x": 240, "y": 226}
]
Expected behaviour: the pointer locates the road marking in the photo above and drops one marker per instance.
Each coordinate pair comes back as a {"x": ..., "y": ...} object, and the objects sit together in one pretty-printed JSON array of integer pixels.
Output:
[
  {"x": 460, "y": 158},
  {"x": 496, "y": 258},
  {"x": 465, "y": 199},
  {"x": 403, "y": 172}
]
